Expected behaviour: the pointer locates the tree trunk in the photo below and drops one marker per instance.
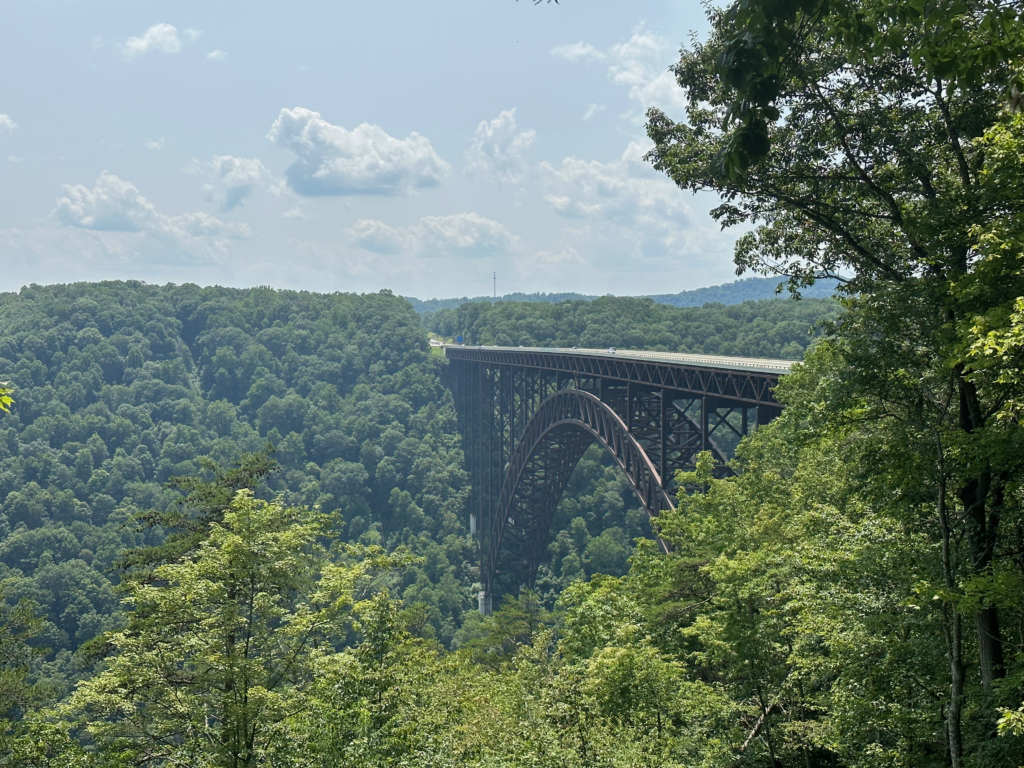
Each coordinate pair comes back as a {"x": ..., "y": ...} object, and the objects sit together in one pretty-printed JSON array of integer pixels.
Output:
[
  {"x": 954, "y": 712},
  {"x": 990, "y": 646},
  {"x": 954, "y": 642},
  {"x": 982, "y": 516}
]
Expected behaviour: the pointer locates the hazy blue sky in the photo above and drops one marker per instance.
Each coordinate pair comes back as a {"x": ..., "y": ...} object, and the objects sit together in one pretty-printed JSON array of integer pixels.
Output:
[{"x": 416, "y": 145}]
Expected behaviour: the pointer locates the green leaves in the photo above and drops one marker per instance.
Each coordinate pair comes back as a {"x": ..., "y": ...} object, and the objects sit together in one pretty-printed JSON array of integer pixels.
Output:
[
  {"x": 20, "y": 624},
  {"x": 222, "y": 645}
]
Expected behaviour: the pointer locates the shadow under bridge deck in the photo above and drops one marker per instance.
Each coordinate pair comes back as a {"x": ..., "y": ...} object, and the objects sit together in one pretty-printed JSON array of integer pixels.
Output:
[{"x": 526, "y": 415}]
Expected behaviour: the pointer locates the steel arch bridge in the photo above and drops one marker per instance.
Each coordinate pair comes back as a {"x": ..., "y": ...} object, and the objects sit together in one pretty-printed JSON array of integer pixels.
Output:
[{"x": 526, "y": 416}]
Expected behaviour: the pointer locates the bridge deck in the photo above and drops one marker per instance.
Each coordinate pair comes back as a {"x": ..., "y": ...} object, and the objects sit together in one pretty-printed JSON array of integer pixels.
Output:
[
  {"x": 739, "y": 379},
  {"x": 753, "y": 364}
]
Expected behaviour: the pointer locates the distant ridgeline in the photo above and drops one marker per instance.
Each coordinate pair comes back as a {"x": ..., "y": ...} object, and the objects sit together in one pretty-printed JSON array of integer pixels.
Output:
[{"x": 748, "y": 289}]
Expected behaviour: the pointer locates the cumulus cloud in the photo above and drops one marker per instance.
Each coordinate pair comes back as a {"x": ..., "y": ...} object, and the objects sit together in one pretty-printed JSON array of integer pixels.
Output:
[
  {"x": 116, "y": 205},
  {"x": 577, "y": 52},
  {"x": 625, "y": 193},
  {"x": 378, "y": 237},
  {"x": 364, "y": 161},
  {"x": 112, "y": 205},
  {"x": 231, "y": 179},
  {"x": 461, "y": 234},
  {"x": 216, "y": 55},
  {"x": 592, "y": 110},
  {"x": 156, "y": 144},
  {"x": 465, "y": 234},
  {"x": 640, "y": 64},
  {"x": 159, "y": 38},
  {"x": 498, "y": 149},
  {"x": 7, "y": 126}
]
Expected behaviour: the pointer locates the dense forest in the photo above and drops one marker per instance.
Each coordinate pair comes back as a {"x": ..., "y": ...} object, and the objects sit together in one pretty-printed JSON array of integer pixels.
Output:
[
  {"x": 125, "y": 392},
  {"x": 232, "y": 527},
  {"x": 123, "y": 389}
]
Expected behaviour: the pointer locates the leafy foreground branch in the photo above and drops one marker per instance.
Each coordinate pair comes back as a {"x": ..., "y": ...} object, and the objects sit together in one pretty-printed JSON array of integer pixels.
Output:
[{"x": 220, "y": 649}]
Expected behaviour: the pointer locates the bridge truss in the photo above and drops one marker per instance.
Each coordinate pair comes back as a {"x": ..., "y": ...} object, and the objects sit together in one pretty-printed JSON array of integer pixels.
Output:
[{"x": 527, "y": 416}]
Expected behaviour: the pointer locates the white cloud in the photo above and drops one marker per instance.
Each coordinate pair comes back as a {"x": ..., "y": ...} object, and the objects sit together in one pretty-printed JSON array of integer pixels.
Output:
[
  {"x": 7, "y": 126},
  {"x": 160, "y": 38},
  {"x": 577, "y": 51},
  {"x": 15, "y": 159},
  {"x": 46, "y": 253},
  {"x": 462, "y": 235},
  {"x": 217, "y": 55},
  {"x": 193, "y": 34},
  {"x": 201, "y": 224},
  {"x": 625, "y": 194},
  {"x": 640, "y": 64},
  {"x": 498, "y": 149},
  {"x": 232, "y": 179},
  {"x": 116, "y": 205},
  {"x": 465, "y": 234},
  {"x": 155, "y": 144},
  {"x": 378, "y": 237},
  {"x": 592, "y": 110},
  {"x": 364, "y": 161},
  {"x": 299, "y": 207},
  {"x": 565, "y": 255},
  {"x": 113, "y": 205}
]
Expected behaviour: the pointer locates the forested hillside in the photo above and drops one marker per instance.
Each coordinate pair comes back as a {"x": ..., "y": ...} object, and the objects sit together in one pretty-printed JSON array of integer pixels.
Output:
[
  {"x": 122, "y": 386},
  {"x": 768, "y": 328},
  {"x": 739, "y": 291},
  {"x": 124, "y": 391}
]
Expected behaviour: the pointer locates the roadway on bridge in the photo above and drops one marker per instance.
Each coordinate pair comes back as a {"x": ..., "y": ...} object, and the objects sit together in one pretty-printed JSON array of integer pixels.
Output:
[{"x": 758, "y": 364}]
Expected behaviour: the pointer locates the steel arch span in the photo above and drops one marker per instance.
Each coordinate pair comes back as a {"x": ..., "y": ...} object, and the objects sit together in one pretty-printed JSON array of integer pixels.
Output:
[
  {"x": 561, "y": 429},
  {"x": 525, "y": 417}
]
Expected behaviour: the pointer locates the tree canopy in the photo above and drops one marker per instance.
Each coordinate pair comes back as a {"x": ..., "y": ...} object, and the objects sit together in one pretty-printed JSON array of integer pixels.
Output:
[{"x": 875, "y": 140}]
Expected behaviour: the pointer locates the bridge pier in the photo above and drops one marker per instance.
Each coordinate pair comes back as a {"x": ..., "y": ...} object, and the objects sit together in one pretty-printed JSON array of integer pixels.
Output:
[
  {"x": 527, "y": 416},
  {"x": 484, "y": 603}
]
